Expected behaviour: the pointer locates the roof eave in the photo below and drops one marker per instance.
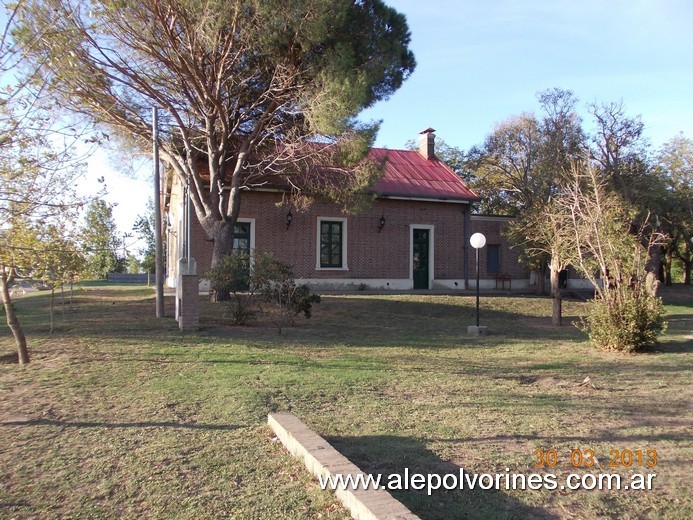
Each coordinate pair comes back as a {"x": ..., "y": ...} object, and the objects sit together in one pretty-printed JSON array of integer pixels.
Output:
[{"x": 451, "y": 200}]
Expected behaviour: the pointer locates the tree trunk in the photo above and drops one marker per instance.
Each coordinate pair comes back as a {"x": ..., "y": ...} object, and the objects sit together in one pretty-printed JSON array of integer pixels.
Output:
[
  {"x": 666, "y": 265},
  {"x": 222, "y": 240},
  {"x": 541, "y": 279},
  {"x": 654, "y": 264},
  {"x": 52, "y": 307},
  {"x": 539, "y": 289},
  {"x": 12, "y": 321},
  {"x": 687, "y": 259},
  {"x": 556, "y": 316}
]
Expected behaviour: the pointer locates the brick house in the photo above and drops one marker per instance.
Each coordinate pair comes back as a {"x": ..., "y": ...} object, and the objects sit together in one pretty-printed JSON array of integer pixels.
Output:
[{"x": 415, "y": 235}]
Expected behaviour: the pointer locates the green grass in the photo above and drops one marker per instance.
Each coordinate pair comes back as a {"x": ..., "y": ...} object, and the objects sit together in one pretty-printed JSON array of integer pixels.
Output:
[{"x": 119, "y": 415}]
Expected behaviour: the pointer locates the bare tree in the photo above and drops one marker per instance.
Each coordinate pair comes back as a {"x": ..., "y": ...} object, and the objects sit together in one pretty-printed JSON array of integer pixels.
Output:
[
  {"x": 520, "y": 170},
  {"x": 617, "y": 145},
  {"x": 622, "y": 155},
  {"x": 546, "y": 234},
  {"x": 626, "y": 314}
]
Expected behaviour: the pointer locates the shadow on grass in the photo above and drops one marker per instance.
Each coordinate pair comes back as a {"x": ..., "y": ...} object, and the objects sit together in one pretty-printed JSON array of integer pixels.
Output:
[
  {"x": 672, "y": 347},
  {"x": 9, "y": 359},
  {"x": 138, "y": 424},
  {"x": 605, "y": 436},
  {"x": 390, "y": 455},
  {"x": 677, "y": 294},
  {"x": 381, "y": 321},
  {"x": 420, "y": 321},
  {"x": 14, "y": 504},
  {"x": 677, "y": 325},
  {"x": 407, "y": 321},
  {"x": 404, "y": 364}
]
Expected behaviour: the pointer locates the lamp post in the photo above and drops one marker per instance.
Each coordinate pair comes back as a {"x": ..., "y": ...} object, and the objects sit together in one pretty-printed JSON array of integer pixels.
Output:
[{"x": 477, "y": 240}]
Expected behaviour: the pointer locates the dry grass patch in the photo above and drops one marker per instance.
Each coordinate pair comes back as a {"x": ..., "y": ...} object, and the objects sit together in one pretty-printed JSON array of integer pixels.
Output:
[{"x": 121, "y": 415}]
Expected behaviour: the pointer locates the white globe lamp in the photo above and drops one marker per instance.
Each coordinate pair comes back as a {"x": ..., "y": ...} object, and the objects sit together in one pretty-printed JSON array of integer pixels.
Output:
[{"x": 477, "y": 240}]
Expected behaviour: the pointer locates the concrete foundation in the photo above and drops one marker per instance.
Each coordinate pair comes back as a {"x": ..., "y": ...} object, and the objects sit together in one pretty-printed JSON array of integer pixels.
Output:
[
  {"x": 473, "y": 330},
  {"x": 322, "y": 459}
]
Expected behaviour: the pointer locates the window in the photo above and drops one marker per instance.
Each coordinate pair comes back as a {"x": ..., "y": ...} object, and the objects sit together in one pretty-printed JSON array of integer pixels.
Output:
[
  {"x": 241, "y": 244},
  {"x": 493, "y": 259},
  {"x": 331, "y": 243},
  {"x": 241, "y": 237}
]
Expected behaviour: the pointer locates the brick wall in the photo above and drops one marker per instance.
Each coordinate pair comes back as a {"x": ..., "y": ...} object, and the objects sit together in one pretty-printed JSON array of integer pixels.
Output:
[
  {"x": 493, "y": 229},
  {"x": 370, "y": 254},
  {"x": 189, "y": 318},
  {"x": 384, "y": 255}
]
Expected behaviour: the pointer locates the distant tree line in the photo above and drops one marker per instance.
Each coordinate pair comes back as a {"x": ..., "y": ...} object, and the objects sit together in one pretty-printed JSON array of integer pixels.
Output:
[
  {"x": 601, "y": 200},
  {"x": 519, "y": 165}
]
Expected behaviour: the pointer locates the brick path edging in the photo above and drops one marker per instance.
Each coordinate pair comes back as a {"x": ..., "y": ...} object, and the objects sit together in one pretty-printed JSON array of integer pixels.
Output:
[{"x": 321, "y": 458}]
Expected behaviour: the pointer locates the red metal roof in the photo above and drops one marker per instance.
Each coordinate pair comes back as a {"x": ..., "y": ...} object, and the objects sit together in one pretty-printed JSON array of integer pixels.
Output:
[{"x": 409, "y": 174}]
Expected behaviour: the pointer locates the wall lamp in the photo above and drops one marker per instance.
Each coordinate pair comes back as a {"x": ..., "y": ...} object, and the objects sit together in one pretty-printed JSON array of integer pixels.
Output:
[
  {"x": 289, "y": 218},
  {"x": 381, "y": 224}
]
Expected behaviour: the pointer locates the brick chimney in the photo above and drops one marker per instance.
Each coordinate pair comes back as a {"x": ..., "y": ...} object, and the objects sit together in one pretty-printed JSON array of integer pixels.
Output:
[{"x": 427, "y": 143}]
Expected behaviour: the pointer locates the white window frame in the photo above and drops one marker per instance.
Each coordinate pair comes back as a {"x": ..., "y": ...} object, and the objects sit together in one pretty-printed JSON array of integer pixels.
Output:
[
  {"x": 345, "y": 265},
  {"x": 250, "y": 221}
]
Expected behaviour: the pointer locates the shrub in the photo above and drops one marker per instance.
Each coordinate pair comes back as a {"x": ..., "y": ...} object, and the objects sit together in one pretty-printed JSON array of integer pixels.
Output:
[
  {"x": 630, "y": 323},
  {"x": 275, "y": 282},
  {"x": 230, "y": 281},
  {"x": 291, "y": 300},
  {"x": 265, "y": 280}
]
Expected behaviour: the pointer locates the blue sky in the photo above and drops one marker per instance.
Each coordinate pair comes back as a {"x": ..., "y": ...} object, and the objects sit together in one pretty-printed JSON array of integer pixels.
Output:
[{"x": 480, "y": 62}]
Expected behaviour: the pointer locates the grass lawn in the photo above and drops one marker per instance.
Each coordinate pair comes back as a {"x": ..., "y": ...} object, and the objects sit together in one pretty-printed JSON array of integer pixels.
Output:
[{"x": 119, "y": 415}]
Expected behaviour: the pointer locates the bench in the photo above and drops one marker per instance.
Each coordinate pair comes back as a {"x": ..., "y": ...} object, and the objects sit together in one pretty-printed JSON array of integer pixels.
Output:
[{"x": 502, "y": 278}]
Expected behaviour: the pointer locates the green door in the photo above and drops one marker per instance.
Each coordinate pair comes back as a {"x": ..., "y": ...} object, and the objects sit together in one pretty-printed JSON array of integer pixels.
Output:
[{"x": 421, "y": 248}]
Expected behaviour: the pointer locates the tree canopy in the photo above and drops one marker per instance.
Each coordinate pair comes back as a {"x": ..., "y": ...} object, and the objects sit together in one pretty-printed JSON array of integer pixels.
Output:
[
  {"x": 38, "y": 175},
  {"x": 675, "y": 167},
  {"x": 145, "y": 229},
  {"x": 246, "y": 88},
  {"x": 99, "y": 240},
  {"x": 521, "y": 163}
]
